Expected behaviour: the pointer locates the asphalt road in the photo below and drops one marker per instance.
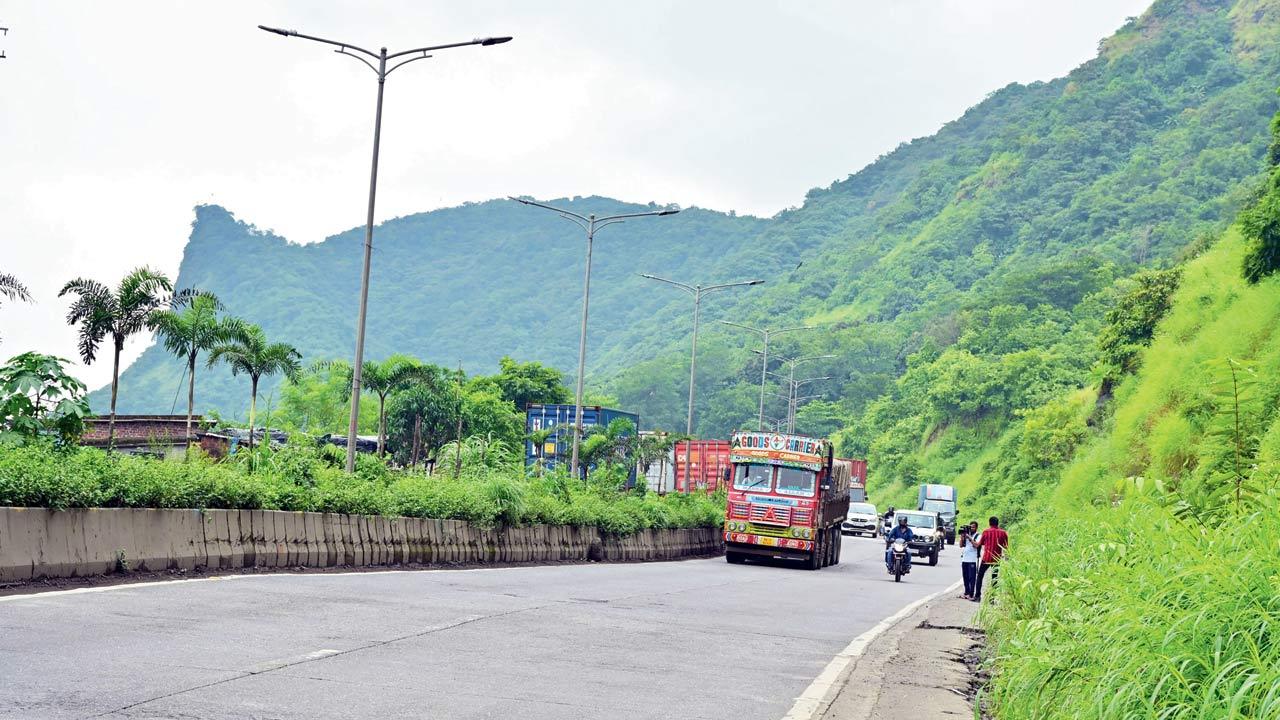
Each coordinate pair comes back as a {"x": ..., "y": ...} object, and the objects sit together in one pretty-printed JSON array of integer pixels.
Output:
[{"x": 693, "y": 639}]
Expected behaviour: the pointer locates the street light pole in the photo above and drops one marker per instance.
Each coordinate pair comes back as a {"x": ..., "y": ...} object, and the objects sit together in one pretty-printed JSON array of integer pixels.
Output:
[
  {"x": 764, "y": 364},
  {"x": 792, "y": 385},
  {"x": 697, "y": 291},
  {"x": 795, "y": 397},
  {"x": 382, "y": 72},
  {"x": 589, "y": 224}
]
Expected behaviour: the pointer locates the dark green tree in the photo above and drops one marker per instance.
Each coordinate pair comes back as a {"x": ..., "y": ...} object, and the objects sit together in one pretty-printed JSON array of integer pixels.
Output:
[
  {"x": 1131, "y": 324},
  {"x": 530, "y": 382}
]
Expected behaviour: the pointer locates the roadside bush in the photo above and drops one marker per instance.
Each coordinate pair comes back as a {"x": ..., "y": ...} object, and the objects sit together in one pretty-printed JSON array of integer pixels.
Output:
[
  {"x": 1129, "y": 612},
  {"x": 302, "y": 477}
]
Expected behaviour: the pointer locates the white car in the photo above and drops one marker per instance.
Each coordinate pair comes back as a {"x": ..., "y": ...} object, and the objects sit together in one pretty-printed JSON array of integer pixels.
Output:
[{"x": 861, "y": 520}]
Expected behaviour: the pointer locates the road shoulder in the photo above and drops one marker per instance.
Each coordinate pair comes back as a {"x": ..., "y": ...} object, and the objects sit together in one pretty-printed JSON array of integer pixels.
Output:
[{"x": 923, "y": 666}]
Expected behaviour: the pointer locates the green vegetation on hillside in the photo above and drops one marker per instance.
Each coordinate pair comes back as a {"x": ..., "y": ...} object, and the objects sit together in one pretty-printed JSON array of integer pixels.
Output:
[
  {"x": 1023, "y": 214},
  {"x": 1144, "y": 582},
  {"x": 1146, "y": 586}
]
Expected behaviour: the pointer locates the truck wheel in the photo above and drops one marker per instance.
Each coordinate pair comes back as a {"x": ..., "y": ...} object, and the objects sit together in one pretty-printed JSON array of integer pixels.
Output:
[
  {"x": 839, "y": 547},
  {"x": 734, "y": 558},
  {"x": 815, "y": 557},
  {"x": 933, "y": 557}
]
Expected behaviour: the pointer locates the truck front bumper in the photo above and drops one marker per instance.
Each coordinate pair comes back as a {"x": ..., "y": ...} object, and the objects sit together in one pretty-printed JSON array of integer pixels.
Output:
[{"x": 765, "y": 541}]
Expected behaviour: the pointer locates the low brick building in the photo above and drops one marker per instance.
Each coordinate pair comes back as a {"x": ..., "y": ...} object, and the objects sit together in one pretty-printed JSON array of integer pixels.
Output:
[{"x": 163, "y": 435}]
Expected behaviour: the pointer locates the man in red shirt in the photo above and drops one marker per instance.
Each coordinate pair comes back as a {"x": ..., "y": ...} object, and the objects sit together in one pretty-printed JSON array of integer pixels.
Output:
[{"x": 991, "y": 543}]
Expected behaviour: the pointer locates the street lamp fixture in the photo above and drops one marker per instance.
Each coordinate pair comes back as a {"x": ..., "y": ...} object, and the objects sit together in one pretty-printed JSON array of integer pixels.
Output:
[
  {"x": 766, "y": 333},
  {"x": 697, "y": 291},
  {"x": 382, "y": 71},
  {"x": 590, "y": 224}
]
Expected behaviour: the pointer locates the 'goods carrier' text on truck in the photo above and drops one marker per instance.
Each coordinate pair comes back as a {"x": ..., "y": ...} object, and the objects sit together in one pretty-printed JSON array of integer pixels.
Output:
[{"x": 787, "y": 497}]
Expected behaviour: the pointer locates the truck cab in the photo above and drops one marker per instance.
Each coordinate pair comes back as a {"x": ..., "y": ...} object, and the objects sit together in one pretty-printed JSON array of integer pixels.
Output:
[
  {"x": 940, "y": 499},
  {"x": 787, "y": 496}
]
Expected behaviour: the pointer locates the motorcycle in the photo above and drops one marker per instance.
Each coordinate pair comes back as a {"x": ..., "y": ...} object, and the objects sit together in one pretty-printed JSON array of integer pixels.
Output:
[{"x": 899, "y": 559}]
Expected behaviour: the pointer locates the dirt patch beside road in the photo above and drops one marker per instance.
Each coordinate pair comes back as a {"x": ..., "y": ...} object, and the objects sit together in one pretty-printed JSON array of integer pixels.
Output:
[{"x": 925, "y": 667}]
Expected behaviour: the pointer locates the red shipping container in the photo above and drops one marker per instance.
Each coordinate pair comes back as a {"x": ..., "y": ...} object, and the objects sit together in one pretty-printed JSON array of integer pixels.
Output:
[{"x": 700, "y": 465}]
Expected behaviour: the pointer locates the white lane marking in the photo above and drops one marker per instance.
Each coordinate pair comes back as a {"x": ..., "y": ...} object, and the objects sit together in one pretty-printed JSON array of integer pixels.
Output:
[
  {"x": 270, "y": 665},
  {"x": 107, "y": 588},
  {"x": 811, "y": 702}
]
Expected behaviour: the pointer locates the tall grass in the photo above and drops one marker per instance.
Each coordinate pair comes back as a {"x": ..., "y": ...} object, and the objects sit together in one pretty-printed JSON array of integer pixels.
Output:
[
  {"x": 494, "y": 491},
  {"x": 1148, "y": 586},
  {"x": 1131, "y": 613}
]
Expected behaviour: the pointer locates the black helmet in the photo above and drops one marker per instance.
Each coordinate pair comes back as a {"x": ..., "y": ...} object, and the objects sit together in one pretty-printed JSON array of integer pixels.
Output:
[
  {"x": 890, "y": 509},
  {"x": 902, "y": 519}
]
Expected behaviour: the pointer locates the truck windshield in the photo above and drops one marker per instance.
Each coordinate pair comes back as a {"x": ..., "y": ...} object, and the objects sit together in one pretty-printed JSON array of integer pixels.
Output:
[
  {"x": 794, "y": 481},
  {"x": 752, "y": 477},
  {"x": 939, "y": 506}
]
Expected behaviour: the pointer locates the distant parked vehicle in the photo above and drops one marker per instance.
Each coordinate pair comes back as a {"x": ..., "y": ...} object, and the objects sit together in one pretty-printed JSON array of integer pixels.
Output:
[{"x": 862, "y": 519}]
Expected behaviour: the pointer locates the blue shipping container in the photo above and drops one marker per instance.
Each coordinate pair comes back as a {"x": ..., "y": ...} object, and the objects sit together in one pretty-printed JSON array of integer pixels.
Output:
[{"x": 558, "y": 447}]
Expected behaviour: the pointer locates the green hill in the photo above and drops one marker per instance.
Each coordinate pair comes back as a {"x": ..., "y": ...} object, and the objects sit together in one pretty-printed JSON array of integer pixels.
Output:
[{"x": 978, "y": 260}]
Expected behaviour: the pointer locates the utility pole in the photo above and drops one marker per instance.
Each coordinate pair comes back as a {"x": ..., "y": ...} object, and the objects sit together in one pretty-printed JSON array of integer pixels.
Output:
[
  {"x": 697, "y": 291},
  {"x": 591, "y": 225},
  {"x": 382, "y": 71},
  {"x": 457, "y": 456}
]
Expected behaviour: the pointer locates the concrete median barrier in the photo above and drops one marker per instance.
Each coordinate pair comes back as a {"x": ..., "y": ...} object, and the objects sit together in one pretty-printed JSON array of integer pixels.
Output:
[{"x": 40, "y": 543}]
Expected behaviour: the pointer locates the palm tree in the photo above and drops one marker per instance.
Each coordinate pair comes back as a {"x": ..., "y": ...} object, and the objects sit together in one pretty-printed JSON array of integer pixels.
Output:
[
  {"x": 187, "y": 332},
  {"x": 119, "y": 314},
  {"x": 382, "y": 378},
  {"x": 249, "y": 353},
  {"x": 608, "y": 445},
  {"x": 12, "y": 289}
]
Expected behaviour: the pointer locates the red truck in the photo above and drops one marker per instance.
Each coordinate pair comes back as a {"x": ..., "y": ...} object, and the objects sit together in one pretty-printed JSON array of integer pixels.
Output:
[
  {"x": 858, "y": 482},
  {"x": 788, "y": 495}
]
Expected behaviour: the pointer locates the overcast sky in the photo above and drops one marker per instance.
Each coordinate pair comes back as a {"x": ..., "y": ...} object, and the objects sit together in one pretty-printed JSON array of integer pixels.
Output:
[{"x": 117, "y": 118}]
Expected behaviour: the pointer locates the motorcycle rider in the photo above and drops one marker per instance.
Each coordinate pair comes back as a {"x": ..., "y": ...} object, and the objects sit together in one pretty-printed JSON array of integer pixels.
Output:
[
  {"x": 901, "y": 531},
  {"x": 887, "y": 524}
]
